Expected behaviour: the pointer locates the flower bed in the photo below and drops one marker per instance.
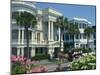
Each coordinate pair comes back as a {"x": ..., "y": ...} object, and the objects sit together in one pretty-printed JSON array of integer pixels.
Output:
[
  {"x": 20, "y": 65},
  {"x": 84, "y": 63}
]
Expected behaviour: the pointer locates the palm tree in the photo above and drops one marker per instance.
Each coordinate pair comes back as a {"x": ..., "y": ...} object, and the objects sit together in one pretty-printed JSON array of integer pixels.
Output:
[
  {"x": 61, "y": 23},
  {"x": 26, "y": 20},
  {"x": 88, "y": 31},
  {"x": 73, "y": 30}
]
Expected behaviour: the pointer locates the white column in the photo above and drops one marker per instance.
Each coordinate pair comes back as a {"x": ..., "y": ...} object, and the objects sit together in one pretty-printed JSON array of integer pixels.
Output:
[
  {"x": 52, "y": 30},
  {"x": 48, "y": 30},
  {"x": 33, "y": 52},
  {"x": 50, "y": 50},
  {"x": 22, "y": 51},
  {"x": 18, "y": 36},
  {"x": 62, "y": 46},
  {"x": 61, "y": 37},
  {"x": 59, "y": 33},
  {"x": 18, "y": 51},
  {"x": 62, "y": 49},
  {"x": 23, "y": 36}
]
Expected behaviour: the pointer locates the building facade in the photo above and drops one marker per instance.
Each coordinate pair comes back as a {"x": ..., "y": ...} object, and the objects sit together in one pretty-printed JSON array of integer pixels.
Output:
[
  {"x": 80, "y": 40},
  {"x": 44, "y": 38}
]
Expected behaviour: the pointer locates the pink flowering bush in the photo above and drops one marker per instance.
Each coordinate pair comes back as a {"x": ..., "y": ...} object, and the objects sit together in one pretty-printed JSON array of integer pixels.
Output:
[
  {"x": 21, "y": 60},
  {"x": 17, "y": 59},
  {"x": 21, "y": 65},
  {"x": 38, "y": 69}
]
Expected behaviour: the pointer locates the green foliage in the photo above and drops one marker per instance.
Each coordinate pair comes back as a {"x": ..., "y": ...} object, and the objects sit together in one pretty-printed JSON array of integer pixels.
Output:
[
  {"x": 84, "y": 50},
  {"x": 88, "y": 31},
  {"x": 87, "y": 50},
  {"x": 17, "y": 69},
  {"x": 40, "y": 57},
  {"x": 84, "y": 63},
  {"x": 73, "y": 29},
  {"x": 25, "y": 18},
  {"x": 62, "y": 22}
]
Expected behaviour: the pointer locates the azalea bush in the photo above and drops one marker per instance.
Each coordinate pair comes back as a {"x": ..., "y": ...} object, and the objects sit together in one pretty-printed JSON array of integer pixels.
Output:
[
  {"x": 85, "y": 62},
  {"x": 20, "y": 65}
]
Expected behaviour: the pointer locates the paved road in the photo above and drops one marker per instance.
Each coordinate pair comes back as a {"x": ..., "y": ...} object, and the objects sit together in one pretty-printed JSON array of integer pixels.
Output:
[{"x": 52, "y": 67}]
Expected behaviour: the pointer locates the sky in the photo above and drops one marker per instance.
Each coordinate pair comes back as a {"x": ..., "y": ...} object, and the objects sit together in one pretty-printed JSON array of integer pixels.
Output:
[{"x": 70, "y": 11}]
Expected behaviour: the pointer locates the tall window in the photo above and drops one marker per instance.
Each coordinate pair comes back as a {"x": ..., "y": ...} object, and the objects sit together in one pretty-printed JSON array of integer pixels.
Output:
[
  {"x": 79, "y": 25},
  {"x": 14, "y": 51},
  {"x": 15, "y": 34},
  {"x": 71, "y": 37},
  {"x": 84, "y": 25},
  {"x": 81, "y": 36},
  {"x": 77, "y": 36},
  {"x": 84, "y": 36},
  {"x": 67, "y": 37}
]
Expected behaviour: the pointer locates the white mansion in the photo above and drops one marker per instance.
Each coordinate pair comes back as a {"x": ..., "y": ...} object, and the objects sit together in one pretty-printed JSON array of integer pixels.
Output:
[
  {"x": 80, "y": 40},
  {"x": 45, "y": 36}
]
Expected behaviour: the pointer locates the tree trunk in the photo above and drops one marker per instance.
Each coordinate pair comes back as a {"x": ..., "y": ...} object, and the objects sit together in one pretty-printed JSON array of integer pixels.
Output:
[
  {"x": 73, "y": 41},
  {"x": 60, "y": 39},
  {"x": 27, "y": 42},
  {"x": 88, "y": 42},
  {"x": 61, "y": 34}
]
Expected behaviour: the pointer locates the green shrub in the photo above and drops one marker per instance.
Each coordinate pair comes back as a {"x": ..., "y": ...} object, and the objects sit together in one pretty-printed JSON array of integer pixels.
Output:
[
  {"x": 87, "y": 50},
  {"x": 17, "y": 69},
  {"x": 40, "y": 57},
  {"x": 84, "y": 50},
  {"x": 84, "y": 63}
]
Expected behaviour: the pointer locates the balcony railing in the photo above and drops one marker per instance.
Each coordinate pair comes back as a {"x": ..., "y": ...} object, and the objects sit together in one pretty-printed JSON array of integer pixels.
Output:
[
  {"x": 35, "y": 42},
  {"x": 16, "y": 42},
  {"x": 91, "y": 40}
]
